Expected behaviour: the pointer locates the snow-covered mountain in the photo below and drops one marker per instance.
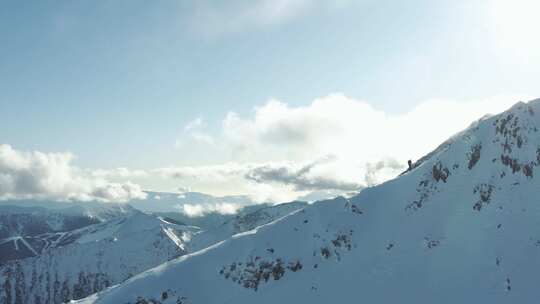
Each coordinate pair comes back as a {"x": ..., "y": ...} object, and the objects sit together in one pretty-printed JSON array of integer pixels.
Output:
[
  {"x": 463, "y": 226},
  {"x": 26, "y": 231},
  {"x": 97, "y": 210},
  {"x": 55, "y": 255},
  {"x": 64, "y": 265}
]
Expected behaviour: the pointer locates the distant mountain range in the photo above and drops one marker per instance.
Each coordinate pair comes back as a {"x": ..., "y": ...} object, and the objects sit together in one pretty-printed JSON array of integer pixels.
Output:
[{"x": 54, "y": 252}]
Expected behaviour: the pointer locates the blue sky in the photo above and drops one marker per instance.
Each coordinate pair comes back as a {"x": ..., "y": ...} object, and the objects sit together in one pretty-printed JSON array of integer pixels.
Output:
[{"x": 115, "y": 83}]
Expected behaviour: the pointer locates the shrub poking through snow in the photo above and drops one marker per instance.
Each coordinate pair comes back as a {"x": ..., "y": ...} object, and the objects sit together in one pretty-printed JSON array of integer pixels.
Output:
[
  {"x": 474, "y": 155},
  {"x": 485, "y": 191},
  {"x": 440, "y": 172}
]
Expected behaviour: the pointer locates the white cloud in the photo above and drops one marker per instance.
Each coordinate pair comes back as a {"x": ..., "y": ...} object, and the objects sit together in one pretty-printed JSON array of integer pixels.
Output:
[
  {"x": 195, "y": 131},
  {"x": 117, "y": 192},
  {"x": 118, "y": 173},
  {"x": 197, "y": 123},
  {"x": 202, "y": 138},
  {"x": 382, "y": 170},
  {"x": 301, "y": 178},
  {"x": 276, "y": 152},
  {"x": 334, "y": 145},
  {"x": 217, "y": 173},
  {"x": 220, "y": 180},
  {"x": 196, "y": 210},
  {"x": 514, "y": 27},
  {"x": 280, "y": 181},
  {"x": 37, "y": 175},
  {"x": 350, "y": 129}
]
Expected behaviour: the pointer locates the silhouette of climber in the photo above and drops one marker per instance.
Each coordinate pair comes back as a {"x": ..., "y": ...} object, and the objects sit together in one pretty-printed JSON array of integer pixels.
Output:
[{"x": 410, "y": 165}]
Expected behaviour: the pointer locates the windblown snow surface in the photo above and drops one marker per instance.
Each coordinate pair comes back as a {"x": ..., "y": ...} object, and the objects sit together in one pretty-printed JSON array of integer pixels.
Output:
[{"x": 462, "y": 227}]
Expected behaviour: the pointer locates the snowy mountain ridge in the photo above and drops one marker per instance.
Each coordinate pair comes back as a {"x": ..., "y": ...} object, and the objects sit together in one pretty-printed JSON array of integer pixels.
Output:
[
  {"x": 77, "y": 263},
  {"x": 460, "y": 227},
  {"x": 26, "y": 231},
  {"x": 54, "y": 266}
]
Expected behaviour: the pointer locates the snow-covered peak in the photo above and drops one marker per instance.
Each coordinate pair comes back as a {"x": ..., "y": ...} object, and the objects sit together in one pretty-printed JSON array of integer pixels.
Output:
[
  {"x": 460, "y": 227},
  {"x": 497, "y": 152}
]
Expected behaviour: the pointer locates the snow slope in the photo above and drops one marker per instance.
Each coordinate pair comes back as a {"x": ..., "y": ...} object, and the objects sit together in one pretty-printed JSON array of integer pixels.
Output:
[
  {"x": 67, "y": 264},
  {"x": 462, "y": 227},
  {"x": 77, "y": 263},
  {"x": 27, "y": 231}
]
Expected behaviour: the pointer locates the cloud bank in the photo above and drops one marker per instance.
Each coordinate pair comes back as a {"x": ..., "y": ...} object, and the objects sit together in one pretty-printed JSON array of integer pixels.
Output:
[
  {"x": 37, "y": 175},
  {"x": 280, "y": 181},
  {"x": 334, "y": 144},
  {"x": 302, "y": 178},
  {"x": 349, "y": 128},
  {"x": 196, "y": 210}
]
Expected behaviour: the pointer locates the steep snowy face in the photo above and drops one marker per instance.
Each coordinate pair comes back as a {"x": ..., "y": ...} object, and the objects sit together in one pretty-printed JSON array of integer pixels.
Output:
[
  {"x": 495, "y": 155},
  {"x": 461, "y": 227},
  {"x": 77, "y": 263}
]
